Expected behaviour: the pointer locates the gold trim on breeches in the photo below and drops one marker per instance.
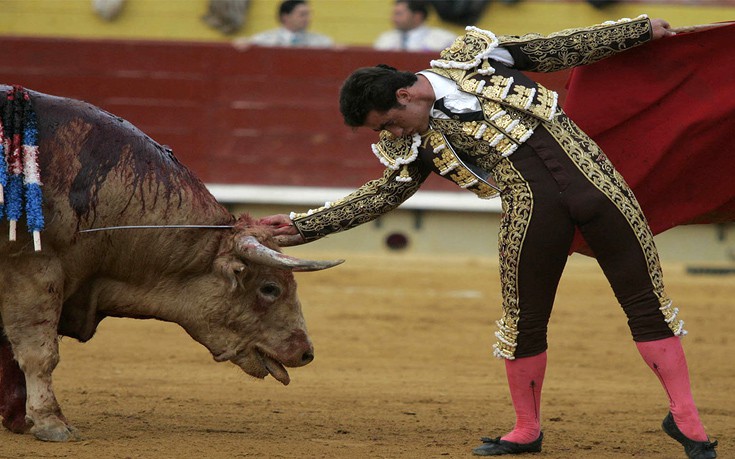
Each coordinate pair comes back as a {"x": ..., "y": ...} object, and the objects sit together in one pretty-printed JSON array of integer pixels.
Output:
[{"x": 518, "y": 206}]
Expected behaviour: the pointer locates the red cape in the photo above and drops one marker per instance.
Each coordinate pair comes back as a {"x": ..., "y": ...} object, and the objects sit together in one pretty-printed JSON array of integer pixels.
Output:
[{"x": 664, "y": 113}]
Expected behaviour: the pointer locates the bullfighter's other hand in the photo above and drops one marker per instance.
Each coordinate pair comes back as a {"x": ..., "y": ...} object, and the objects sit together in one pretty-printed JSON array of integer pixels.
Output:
[{"x": 661, "y": 28}]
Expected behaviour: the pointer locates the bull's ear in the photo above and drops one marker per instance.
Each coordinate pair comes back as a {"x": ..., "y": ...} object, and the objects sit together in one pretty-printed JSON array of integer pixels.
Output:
[
  {"x": 237, "y": 267},
  {"x": 230, "y": 269}
]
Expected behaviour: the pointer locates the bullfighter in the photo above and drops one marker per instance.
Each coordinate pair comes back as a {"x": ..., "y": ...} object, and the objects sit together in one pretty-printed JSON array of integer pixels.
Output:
[{"x": 476, "y": 119}]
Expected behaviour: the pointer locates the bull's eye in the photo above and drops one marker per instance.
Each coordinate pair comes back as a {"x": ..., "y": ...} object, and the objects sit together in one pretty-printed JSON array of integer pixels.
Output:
[{"x": 270, "y": 290}]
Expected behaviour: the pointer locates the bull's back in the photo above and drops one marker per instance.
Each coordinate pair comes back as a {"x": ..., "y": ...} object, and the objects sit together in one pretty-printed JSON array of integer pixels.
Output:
[{"x": 97, "y": 169}]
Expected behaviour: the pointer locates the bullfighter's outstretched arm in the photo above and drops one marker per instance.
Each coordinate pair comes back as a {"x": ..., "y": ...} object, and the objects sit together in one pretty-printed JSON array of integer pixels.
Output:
[
  {"x": 365, "y": 204},
  {"x": 580, "y": 46}
]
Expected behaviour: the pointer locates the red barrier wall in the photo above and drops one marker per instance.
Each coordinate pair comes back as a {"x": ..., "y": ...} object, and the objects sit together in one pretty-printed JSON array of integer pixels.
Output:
[{"x": 264, "y": 116}]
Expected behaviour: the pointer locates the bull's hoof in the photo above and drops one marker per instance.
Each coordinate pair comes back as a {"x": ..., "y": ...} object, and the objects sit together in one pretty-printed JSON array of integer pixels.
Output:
[{"x": 55, "y": 431}]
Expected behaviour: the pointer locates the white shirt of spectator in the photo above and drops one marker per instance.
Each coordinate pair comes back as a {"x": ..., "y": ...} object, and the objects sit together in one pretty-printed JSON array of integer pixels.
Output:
[
  {"x": 284, "y": 37},
  {"x": 421, "y": 38}
]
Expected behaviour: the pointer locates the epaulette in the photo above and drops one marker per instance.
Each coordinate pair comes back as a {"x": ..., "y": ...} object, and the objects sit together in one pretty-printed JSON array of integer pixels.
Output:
[
  {"x": 468, "y": 51},
  {"x": 395, "y": 152}
]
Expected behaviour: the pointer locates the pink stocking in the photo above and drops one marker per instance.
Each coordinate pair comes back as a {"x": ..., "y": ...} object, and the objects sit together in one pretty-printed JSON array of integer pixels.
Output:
[
  {"x": 666, "y": 359},
  {"x": 525, "y": 379}
]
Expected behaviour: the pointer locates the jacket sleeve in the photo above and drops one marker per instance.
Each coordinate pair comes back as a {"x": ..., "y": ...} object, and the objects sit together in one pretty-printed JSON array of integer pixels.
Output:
[
  {"x": 365, "y": 204},
  {"x": 573, "y": 47}
]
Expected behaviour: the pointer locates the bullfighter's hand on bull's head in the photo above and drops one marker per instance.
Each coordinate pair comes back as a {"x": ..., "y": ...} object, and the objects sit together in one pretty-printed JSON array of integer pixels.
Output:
[{"x": 282, "y": 229}]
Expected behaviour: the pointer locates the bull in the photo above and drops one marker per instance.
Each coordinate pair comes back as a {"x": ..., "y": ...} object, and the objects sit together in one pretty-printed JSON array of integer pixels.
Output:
[{"x": 231, "y": 289}]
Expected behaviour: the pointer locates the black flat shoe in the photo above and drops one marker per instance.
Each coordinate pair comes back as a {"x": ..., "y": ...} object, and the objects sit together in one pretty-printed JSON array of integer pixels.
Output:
[
  {"x": 498, "y": 447},
  {"x": 694, "y": 449}
]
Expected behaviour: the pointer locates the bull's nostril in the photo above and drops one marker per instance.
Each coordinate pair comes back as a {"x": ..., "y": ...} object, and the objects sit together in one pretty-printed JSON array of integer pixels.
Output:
[{"x": 307, "y": 357}]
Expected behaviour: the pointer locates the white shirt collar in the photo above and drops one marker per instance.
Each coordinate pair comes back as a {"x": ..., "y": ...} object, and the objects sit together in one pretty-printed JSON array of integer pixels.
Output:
[
  {"x": 442, "y": 86},
  {"x": 455, "y": 100}
]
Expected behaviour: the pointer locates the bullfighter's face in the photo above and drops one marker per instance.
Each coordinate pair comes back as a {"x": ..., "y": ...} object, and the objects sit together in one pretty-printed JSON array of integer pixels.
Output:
[{"x": 409, "y": 118}]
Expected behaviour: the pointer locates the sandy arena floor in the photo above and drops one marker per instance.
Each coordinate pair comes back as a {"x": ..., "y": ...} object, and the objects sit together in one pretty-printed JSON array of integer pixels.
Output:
[{"x": 403, "y": 369}]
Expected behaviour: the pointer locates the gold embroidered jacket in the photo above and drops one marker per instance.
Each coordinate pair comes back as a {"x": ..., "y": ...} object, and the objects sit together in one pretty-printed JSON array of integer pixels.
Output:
[{"x": 466, "y": 152}]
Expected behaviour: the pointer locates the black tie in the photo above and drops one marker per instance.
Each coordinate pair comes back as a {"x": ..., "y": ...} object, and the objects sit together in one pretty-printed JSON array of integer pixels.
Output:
[
  {"x": 404, "y": 40},
  {"x": 469, "y": 116}
]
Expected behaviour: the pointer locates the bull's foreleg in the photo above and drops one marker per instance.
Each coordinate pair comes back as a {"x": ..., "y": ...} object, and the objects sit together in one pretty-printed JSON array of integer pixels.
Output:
[
  {"x": 30, "y": 315},
  {"x": 12, "y": 390}
]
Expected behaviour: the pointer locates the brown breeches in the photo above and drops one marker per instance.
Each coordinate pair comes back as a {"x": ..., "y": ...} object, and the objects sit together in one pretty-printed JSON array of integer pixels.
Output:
[{"x": 560, "y": 198}]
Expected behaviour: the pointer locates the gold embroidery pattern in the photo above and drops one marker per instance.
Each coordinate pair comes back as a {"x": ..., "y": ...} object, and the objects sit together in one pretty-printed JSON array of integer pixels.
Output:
[
  {"x": 487, "y": 149},
  {"x": 506, "y": 124},
  {"x": 394, "y": 151},
  {"x": 465, "y": 85},
  {"x": 539, "y": 102},
  {"x": 580, "y": 46},
  {"x": 497, "y": 89},
  {"x": 467, "y": 49},
  {"x": 464, "y": 48},
  {"x": 463, "y": 177},
  {"x": 501, "y": 135},
  {"x": 367, "y": 203},
  {"x": 448, "y": 163},
  {"x": 521, "y": 97},
  {"x": 492, "y": 109},
  {"x": 506, "y": 146},
  {"x": 445, "y": 162},
  {"x": 590, "y": 159},
  {"x": 462, "y": 140},
  {"x": 545, "y": 105},
  {"x": 484, "y": 191},
  {"x": 488, "y": 162},
  {"x": 517, "y": 201}
]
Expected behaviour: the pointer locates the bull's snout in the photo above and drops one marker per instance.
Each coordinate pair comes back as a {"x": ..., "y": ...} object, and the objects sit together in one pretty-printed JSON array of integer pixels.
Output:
[
  {"x": 299, "y": 357},
  {"x": 300, "y": 350},
  {"x": 307, "y": 357}
]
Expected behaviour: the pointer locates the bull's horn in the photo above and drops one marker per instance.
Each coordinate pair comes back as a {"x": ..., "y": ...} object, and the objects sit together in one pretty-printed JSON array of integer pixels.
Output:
[{"x": 250, "y": 248}]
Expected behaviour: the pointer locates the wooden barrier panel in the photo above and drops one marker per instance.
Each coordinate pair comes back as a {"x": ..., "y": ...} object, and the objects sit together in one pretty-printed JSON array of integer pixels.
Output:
[{"x": 262, "y": 116}]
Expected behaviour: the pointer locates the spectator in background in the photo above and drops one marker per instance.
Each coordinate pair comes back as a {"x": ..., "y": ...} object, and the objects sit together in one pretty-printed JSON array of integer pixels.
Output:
[
  {"x": 108, "y": 10},
  {"x": 227, "y": 16},
  {"x": 410, "y": 33},
  {"x": 295, "y": 17}
]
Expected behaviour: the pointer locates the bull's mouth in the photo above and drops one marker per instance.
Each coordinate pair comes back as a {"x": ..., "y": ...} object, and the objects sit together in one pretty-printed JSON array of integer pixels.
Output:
[
  {"x": 273, "y": 366},
  {"x": 257, "y": 362}
]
